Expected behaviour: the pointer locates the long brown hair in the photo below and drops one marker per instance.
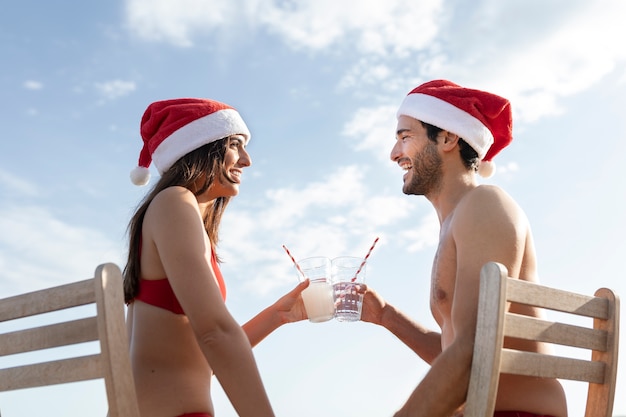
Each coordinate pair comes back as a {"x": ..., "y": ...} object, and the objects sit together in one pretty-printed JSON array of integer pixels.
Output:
[{"x": 204, "y": 164}]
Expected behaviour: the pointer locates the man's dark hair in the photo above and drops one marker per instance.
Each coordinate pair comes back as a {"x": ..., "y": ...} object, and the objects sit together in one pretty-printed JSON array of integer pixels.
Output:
[{"x": 468, "y": 154}]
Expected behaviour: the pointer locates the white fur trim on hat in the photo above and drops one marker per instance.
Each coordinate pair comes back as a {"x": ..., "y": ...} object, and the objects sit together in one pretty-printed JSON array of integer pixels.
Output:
[
  {"x": 444, "y": 115},
  {"x": 212, "y": 127}
]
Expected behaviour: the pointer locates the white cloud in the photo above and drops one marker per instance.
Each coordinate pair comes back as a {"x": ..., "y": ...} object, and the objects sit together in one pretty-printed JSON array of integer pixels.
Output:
[
  {"x": 338, "y": 189},
  {"x": 535, "y": 66},
  {"x": 507, "y": 168},
  {"x": 115, "y": 88},
  {"x": 425, "y": 235},
  {"x": 380, "y": 28},
  {"x": 39, "y": 250},
  {"x": 534, "y": 69},
  {"x": 373, "y": 129},
  {"x": 622, "y": 79},
  {"x": 177, "y": 22},
  {"x": 33, "y": 85},
  {"x": 393, "y": 27},
  {"x": 16, "y": 184},
  {"x": 401, "y": 42},
  {"x": 367, "y": 71},
  {"x": 320, "y": 218}
]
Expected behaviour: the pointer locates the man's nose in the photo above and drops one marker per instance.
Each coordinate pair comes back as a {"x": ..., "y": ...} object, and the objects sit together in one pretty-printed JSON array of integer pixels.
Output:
[{"x": 395, "y": 152}]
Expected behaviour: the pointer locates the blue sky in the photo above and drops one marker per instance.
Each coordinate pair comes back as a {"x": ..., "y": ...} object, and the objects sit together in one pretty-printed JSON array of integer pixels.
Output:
[{"x": 318, "y": 84}]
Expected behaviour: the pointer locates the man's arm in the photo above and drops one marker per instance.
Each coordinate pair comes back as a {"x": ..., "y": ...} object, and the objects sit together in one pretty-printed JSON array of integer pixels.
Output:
[{"x": 426, "y": 343}]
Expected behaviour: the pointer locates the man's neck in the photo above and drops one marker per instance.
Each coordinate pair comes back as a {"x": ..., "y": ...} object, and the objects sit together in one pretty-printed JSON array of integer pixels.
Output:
[{"x": 451, "y": 192}]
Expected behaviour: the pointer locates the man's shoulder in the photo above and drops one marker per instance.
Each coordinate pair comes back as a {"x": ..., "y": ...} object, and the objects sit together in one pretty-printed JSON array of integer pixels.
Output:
[
  {"x": 487, "y": 202},
  {"x": 486, "y": 191},
  {"x": 482, "y": 195}
]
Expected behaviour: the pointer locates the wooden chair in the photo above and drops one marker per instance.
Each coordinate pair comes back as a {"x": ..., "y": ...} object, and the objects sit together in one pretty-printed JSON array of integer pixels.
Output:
[
  {"x": 112, "y": 362},
  {"x": 494, "y": 323}
]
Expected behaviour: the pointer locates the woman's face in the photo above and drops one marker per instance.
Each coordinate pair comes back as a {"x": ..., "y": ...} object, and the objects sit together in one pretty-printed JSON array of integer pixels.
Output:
[{"x": 236, "y": 158}]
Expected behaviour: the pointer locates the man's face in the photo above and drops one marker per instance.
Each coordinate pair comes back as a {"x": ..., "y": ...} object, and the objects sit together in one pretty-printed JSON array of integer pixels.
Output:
[{"x": 418, "y": 156}]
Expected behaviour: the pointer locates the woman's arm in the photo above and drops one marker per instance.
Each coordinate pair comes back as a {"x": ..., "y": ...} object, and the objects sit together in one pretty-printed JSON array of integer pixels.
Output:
[
  {"x": 288, "y": 309},
  {"x": 174, "y": 225}
]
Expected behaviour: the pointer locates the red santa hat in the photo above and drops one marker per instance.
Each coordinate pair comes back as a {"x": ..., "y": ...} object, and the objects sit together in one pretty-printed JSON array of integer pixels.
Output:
[
  {"x": 480, "y": 118},
  {"x": 171, "y": 129}
]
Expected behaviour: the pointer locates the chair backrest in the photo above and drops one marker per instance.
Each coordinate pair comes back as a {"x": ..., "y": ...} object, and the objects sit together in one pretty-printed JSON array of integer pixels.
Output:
[
  {"x": 112, "y": 363},
  {"x": 494, "y": 323}
]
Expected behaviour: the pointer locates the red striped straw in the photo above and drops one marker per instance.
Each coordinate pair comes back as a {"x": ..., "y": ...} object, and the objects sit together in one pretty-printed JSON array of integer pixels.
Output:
[
  {"x": 294, "y": 261},
  {"x": 365, "y": 259}
]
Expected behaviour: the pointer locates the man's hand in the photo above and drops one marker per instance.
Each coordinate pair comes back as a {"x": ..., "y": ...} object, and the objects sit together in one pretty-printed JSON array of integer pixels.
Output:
[{"x": 373, "y": 305}]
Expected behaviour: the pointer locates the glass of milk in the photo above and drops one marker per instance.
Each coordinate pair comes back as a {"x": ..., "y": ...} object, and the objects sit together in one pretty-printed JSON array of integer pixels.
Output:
[{"x": 318, "y": 296}]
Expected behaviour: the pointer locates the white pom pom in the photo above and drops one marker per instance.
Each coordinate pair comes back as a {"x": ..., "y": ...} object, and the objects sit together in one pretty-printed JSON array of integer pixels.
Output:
[
  {"x": 486, "y": 169},
  {"x": 140, "y": 175}
]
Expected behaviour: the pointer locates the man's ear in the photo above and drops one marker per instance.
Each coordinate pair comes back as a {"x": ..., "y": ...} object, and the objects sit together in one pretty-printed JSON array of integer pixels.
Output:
[{"x": 449, "y": 140}]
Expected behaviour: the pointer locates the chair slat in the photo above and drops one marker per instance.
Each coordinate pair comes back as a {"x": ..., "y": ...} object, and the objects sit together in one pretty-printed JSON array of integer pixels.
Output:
[
  {"x": 50, "y": 373},
  {"x": 549, "y": 366},
  {"x": 530, "y": 328},
  {"x": 43, "y": 301},
  {"x": 50, "y": 336},
  {"x": 524, "y": 292}
]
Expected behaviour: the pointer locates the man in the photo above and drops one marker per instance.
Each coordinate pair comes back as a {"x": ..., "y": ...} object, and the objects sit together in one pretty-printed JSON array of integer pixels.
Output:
[{"x": 445, "y": 135}]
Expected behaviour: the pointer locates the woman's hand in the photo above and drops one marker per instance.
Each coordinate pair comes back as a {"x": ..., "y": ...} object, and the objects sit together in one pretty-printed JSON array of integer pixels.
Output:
[
  {"x": 290, "y": 306},
  {"x": 287, "y": 309}
]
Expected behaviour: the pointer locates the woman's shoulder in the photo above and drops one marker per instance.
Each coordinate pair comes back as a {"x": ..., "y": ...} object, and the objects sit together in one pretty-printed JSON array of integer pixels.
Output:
[
  {"x": 172, "y": 211},
  {"x": 173, "y": 198},
  {"x": 173, "y": 194},
  {"x": 174, "y": 191}
]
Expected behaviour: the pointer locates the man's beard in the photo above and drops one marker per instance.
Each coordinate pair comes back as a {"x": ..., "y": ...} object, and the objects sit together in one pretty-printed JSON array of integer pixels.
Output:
[{"x": 426, "y": 173}]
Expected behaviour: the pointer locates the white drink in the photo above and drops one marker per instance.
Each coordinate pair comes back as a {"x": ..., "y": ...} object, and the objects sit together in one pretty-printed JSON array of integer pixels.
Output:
[{"x": 318, "y": 301}]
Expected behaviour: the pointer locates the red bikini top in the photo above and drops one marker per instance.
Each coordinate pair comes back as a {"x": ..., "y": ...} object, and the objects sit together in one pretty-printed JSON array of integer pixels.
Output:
[{"x": 159, "y": 293}]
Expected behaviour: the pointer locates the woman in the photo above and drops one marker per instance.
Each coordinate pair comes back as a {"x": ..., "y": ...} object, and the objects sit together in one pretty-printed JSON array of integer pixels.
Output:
[{"x": 180, "y": 331}]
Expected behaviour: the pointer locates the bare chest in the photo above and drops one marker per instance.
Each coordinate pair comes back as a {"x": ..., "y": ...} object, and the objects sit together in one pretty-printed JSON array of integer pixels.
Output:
[{"x": 443, "y": 278}]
